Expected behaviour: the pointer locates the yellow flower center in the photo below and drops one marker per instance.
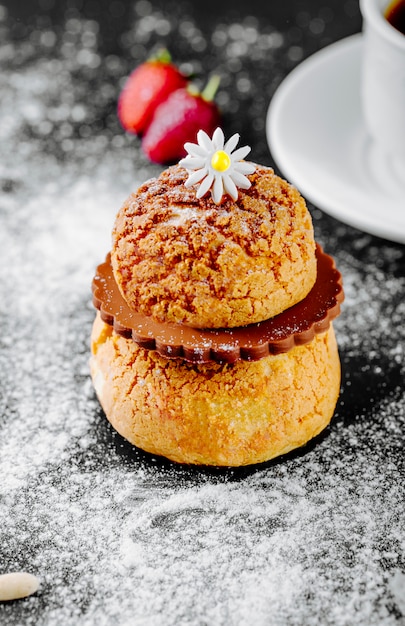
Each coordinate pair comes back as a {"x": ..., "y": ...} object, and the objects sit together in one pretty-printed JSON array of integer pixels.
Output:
[{"x": 220, "y": 161}]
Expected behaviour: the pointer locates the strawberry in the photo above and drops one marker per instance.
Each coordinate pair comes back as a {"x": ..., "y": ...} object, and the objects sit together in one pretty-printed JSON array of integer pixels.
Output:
[
  {"x": 178, "y": 119},
  {"x": 148, "y": 85}
]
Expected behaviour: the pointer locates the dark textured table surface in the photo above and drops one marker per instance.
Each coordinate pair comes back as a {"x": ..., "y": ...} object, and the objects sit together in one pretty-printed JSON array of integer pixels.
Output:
[{"x": 115, "y": 535}]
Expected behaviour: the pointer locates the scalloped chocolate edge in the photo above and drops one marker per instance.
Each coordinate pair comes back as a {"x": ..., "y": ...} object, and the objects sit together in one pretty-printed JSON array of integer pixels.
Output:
[{"x": 296, "y": 326}]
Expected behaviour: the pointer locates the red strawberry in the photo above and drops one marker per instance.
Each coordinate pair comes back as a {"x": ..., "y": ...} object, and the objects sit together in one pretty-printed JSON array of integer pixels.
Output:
[
  {"x": 178, "y": 119},
  {"x": 148, "y": 85}
]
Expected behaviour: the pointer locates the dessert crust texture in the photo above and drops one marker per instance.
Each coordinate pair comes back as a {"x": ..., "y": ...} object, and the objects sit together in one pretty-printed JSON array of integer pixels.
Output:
[
  {"x": 213, "y": 414},
  {"x": 187, "y": 260}
]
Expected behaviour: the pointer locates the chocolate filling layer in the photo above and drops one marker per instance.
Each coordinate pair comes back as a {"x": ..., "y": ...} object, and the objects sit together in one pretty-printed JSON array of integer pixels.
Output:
[{"x": 295, "y": 326}]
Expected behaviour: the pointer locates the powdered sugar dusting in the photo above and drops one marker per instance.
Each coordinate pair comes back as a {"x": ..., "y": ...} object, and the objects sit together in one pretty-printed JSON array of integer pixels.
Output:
[
  {"x": 116, "y": 536},
  {"x": 182, "y": 215}
]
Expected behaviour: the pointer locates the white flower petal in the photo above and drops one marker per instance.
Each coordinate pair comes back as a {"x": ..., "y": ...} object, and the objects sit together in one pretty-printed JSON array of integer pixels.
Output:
[
  {"x": 205, "y": 185},
  {"x": 187, "y": 162},
  {"x": 240, "y": 153},
  {"x": 194, "y": 149},
  {"x": 232, "y": 143},
  {"x": 195, "y": 177},
  {"x": 204, "y": 141},
  {"x": 217, "y": 190},
  {"x": 218, "y": 139},
  {"x": 192, "y": 162},
  {"x": 230, "y": 186},
  {"x": 244, "y": 167},
  {"x": 240, "y": 180}
]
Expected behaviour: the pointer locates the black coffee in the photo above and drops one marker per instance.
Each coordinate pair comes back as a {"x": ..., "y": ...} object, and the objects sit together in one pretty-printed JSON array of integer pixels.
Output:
[{"x": 395, "y": 14}]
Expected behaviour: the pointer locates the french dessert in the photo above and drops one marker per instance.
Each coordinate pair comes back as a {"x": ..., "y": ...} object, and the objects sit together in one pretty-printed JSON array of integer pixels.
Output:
[{"x": 213, "y": 341}]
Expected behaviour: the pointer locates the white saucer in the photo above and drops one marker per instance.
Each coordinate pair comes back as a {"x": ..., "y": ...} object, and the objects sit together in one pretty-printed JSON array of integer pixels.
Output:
[{"x": 318, "y": 139}]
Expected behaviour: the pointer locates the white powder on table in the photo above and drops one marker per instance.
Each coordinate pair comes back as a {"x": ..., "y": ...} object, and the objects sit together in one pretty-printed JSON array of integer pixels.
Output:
[{"x": 116, "y": 536}]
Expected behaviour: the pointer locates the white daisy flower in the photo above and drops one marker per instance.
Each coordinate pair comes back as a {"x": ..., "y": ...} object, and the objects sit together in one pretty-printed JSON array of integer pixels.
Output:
[{"x": 217, "y": 166}]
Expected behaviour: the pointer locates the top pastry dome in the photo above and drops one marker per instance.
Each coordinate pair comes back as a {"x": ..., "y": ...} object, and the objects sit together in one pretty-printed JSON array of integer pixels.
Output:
[{"x": 214, "y": 262}]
